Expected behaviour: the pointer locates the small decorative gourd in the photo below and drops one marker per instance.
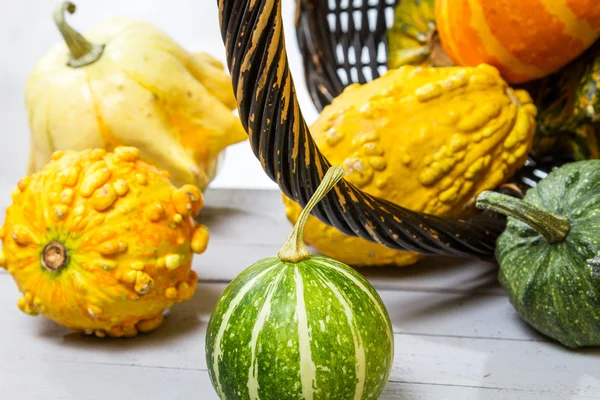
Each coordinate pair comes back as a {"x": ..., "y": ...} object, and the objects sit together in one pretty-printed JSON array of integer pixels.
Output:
[
  {"x": 126, "y": 83},
  {"x": 548, "y": 254},
  {"x": 569, "y": 109},
  {"x": 102, "y": 242},
  {"x": 524, "y": 39},
  {"x": 298, "y": 326},
  {"x": 413, "y": 38},
  {"x": 428, "y": 139}
]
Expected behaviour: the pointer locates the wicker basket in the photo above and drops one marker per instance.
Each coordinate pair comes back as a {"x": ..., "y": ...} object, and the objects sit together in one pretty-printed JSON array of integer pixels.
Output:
[
  {"x": 342, "y": 42},
  {"x": 332, "y": 33},
  {"x": 280, "y": 138}
]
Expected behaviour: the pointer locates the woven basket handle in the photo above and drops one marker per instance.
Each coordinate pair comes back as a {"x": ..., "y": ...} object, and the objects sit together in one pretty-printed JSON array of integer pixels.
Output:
[{"x": 252, "y": 31}]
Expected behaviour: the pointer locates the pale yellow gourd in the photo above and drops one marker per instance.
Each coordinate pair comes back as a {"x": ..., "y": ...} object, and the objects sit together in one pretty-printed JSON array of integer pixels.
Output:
[
  {"x": 428, "y": 139},
  {"x": 128, "y": 83}
]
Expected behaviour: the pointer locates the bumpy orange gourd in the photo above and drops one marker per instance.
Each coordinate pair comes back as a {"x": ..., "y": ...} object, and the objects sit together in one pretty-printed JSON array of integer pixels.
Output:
[
  {"x": 524, "y": 39},
  {"x": 102, "y": 242},
  {"x": 428, "y": 139}
]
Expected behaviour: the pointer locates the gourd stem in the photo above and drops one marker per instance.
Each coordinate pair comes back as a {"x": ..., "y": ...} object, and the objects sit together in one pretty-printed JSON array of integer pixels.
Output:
[
  {"x": 54, "y": 256},
  {"x": 82, "y": 51},
  {"x": 294, "y": 249},
  {"x": 554, "y": 228},
  {"x": 438, "y": 56}
]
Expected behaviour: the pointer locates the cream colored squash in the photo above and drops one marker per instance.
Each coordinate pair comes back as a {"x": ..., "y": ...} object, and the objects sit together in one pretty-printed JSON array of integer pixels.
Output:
[{"x": 128, "y": 83}]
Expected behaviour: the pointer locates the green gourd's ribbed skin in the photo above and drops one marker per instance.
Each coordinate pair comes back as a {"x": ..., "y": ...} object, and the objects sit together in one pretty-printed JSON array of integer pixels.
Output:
[
  {"x": 551, "y": 285},
  {"x": 309, "y": 330}
]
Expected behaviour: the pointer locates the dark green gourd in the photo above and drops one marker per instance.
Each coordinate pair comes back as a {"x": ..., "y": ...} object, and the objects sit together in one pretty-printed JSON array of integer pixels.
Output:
[{"x": 548, "y": 254}]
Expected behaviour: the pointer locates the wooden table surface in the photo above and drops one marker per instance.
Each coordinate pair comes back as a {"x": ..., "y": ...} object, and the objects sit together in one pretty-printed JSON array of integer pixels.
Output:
[{"x": 457, "y": 336}]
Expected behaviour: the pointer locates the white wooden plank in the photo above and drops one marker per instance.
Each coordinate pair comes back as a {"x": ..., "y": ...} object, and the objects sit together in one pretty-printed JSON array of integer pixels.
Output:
[
  {"x": 456, "y": 315},
  {"x": 456, "y": 334},
  {"x": 248, "y": 225},
  {"x": 412, "y": 312},
  {"x": 246, "y": 216},
  {"x": 51, "y": 380},
  {"x": 434, "y": 357},
  {"x": 415, "y": 391},
  {"x": 491, "y": 363},
  {"x": 27, "y": 380},
  {"x": 223, "y": 260}
]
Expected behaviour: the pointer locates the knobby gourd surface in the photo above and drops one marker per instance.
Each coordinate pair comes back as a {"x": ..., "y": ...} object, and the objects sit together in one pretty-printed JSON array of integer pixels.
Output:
[{"x": 253, "y": 35}]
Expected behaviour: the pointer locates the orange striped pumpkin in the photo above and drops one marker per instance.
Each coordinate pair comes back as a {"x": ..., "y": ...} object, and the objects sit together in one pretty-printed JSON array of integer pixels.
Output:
[{"x": 524, "y": 39}]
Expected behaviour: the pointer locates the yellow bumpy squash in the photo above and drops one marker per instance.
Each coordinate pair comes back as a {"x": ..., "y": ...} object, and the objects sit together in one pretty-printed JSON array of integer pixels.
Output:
[
  {"x": 428, "y": 139},
  {"x": 102, "y": 242},
  {"x": 128, "y": 83}
]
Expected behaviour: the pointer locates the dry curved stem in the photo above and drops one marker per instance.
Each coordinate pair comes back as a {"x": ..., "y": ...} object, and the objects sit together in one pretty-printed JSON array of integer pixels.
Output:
[
  {"x": 553, "y": 228},
  {"x": 437, "y": 54},
  {"x": 82, "y": 51},
  {"x": 294, "y": 249}
]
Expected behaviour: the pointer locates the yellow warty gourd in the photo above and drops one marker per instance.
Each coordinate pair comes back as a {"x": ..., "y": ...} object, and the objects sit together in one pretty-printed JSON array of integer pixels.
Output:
[
  {"x": 131, "y": 84},
  {"x": 428, "y": 139},
  {"x": 102, "y": 242}
]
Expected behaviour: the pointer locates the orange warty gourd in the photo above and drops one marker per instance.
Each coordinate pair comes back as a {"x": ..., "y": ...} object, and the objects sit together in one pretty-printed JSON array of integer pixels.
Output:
[
  {"x": 102, "y": 242},
  {"x": 524, "y": 39}
]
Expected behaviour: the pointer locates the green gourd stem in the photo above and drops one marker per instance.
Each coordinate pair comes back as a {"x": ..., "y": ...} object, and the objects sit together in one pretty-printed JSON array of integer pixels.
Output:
[
  {"x": 553, "y": 227},
  {"x": 294, "y": 249},
  {"x": 82, "y": 51}
]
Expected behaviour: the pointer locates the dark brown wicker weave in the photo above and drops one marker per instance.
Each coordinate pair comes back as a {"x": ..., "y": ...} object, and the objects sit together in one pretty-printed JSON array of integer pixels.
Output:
[
  {"x": 339, "y": 44},
  {"x": 278, "y": 134}
]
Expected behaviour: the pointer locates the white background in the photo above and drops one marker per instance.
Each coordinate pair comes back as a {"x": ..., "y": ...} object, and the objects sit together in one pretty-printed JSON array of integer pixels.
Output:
[{"x": 27, "y": 31}]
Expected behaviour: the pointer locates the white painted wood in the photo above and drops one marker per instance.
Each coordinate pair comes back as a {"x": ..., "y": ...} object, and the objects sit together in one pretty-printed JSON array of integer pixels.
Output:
[
  {"x": 26, "y": 380},
  {"x": 457, "y": 337},
  {"x": 253, "y": 223},
  {"x": 248, "y": 225},
  {"x": 456, "y": 352},
  {"x": 421, "y": 391}
]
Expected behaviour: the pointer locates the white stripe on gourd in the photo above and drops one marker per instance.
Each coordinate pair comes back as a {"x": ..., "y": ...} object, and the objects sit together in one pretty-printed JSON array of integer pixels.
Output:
[
  {"x": 258, "y": 326},
  {"x": 359, "y": 350},
  {"x": 225, "y": 323},
  {"x": 367, "y": 291},
  {"x": 308, "y": 371}
]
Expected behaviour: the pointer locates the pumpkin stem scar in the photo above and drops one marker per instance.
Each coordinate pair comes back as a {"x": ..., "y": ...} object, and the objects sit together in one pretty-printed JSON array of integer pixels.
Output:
[
  {"x": 82, "y": 51},
  {"x": 554, "y": 228},
  {"x": 293, "y": 249},
  {"x": 439, "y": 57},
  {"x": 54, "y": 256}
]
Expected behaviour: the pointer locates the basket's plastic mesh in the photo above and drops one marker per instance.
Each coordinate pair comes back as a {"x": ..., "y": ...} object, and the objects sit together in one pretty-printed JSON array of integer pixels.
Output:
[{"x": 359, "y": 28}]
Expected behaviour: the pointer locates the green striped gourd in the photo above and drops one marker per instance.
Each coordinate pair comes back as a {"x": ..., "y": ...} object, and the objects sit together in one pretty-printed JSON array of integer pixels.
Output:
[{"x": 298, "y": 326}]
